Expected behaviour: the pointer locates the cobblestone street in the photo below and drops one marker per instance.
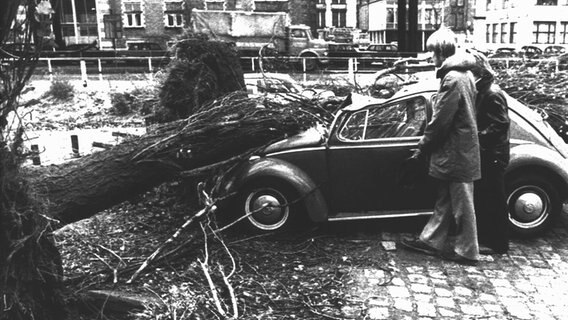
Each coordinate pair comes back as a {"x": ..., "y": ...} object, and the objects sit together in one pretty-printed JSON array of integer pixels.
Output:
[{"x": 530, "y": 282}]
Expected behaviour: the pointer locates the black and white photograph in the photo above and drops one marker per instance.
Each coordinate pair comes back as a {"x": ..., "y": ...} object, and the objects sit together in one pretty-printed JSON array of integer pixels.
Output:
[{"x": 283, "y": 159}]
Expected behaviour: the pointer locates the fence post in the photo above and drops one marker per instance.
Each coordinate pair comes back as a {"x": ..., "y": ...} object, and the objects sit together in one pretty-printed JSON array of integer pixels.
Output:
[
  {"x": 252, "y": 63},
  {"x": 83, "y": 72},
  {"x": 75, "y": 145},
  {"x": 303, "y": 65},
  {"x": 50, "y": 70},
  {"x": 350, "y": 71},
  {"x": 100, "y": 69},
  {"x": 35, "y": 157}
]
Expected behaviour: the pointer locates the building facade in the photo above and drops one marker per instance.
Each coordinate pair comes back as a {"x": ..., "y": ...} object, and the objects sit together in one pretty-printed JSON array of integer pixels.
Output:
[
  {"x": 115, "y": 23},
  {"x": 380, "y": 18},
  {"x": 515, "y": 23}
]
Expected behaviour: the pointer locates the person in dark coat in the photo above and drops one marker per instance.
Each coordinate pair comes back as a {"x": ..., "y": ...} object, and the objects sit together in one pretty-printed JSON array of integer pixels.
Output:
[
  {"x": 493, "y": 129},
  {"x": 451, "y": 142}
]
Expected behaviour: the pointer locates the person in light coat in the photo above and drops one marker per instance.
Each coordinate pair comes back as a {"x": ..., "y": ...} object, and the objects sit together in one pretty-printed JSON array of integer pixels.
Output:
[{"x": 451, "y": 142}]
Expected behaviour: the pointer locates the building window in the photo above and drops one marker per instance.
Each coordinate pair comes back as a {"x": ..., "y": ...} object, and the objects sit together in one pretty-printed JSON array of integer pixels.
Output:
[
  {"x": 547, "y": 2},
  {"x": 503, "y": 33},
  {"x": 173, "y": 14},
  {"x": 495, "y": 34},
  {"x": 544, "y": 32},
  {"x": 321, "y": 19},
  {"x": 564, "y": 33},
  {"x": 339, "y": 18},
  {"x": 513, "y": 33},
  {"x": 215, "y": 5},
  {"x": 68, "y": 30},
  {"x": 488, "y": 33},
  {"x": 133, "y": 14}
]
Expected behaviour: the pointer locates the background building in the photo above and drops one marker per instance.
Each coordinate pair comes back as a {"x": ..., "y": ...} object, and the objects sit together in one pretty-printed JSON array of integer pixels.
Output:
[
  {"x": 380, "y": 18},
  {"x": 515, "y": 23}
]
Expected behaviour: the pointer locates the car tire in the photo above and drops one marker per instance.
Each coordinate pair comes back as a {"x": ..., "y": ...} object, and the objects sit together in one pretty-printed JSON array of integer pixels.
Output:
[
  {"x": 533, "y": 202},
  {"x": 280, "y": 203}
]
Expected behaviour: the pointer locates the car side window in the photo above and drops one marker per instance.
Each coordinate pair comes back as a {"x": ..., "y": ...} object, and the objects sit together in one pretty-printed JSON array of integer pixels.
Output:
[
  {"x": 354, "y": 127},
  {"x": 406, "y": 118}
]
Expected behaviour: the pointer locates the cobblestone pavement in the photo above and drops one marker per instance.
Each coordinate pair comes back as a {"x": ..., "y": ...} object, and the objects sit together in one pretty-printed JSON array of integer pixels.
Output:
[{"x": 530, "y": 282}]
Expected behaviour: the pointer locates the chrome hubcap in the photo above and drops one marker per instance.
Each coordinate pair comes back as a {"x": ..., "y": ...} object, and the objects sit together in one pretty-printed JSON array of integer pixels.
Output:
[
  {"x": 265, "y": 209},
  {"x": 529, "y": 206}
]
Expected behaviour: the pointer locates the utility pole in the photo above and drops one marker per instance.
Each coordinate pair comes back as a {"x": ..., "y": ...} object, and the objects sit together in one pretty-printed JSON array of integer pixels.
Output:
[
  {"x": 401, "y": 31},
  {"x": 413, "y": 41},
  {"x": 408, "y": 26}
]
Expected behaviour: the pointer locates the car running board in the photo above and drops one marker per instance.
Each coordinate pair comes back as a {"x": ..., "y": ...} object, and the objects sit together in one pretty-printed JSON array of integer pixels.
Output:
[{"x": 343, "y": 216}]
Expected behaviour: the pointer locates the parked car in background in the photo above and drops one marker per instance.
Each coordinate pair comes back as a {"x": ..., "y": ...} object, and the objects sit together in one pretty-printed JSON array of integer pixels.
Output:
[
  {"x": 504, "y": 53},
  {"x": 553, "y": 51},
  {"x": 358, "y": 168},
  {"x": 563, "y": 61},
  {"x": 384, "y": 54},
  {"x": 384, "y": 50},
  {"x": 530, "y": 52},
  {"x": 339, "y": 54}
]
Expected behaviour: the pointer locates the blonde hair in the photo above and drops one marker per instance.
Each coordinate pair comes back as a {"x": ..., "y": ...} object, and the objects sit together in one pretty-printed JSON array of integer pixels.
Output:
[{"x": 442, "y": 42}]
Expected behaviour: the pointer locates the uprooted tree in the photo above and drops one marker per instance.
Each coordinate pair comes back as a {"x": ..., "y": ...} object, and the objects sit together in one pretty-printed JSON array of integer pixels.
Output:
[{"x": 209, "y": 124}]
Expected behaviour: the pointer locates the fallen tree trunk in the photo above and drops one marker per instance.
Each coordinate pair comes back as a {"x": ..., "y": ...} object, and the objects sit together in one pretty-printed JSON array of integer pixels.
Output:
[{"x": 231, "y": 126}]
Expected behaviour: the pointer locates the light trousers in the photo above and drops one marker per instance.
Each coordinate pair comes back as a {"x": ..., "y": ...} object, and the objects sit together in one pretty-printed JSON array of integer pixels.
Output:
[{"x": 454, "y": 207}]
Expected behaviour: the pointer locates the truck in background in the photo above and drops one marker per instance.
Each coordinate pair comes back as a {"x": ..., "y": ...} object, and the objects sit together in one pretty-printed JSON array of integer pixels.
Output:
[{"x": 251, "y": 31}]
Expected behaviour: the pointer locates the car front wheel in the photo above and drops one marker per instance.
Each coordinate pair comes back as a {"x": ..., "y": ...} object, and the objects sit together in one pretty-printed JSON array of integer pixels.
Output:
[
  {"x": 269, "y": 206},
  {"x": 533, "y": 202}
]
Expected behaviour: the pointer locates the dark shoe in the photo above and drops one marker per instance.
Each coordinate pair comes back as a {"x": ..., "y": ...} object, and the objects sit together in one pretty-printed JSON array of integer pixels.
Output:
[
  {"x": 418, "y": 245},
  {"x": 492, "y": 250},
  {"x": 459, "y": 259}
]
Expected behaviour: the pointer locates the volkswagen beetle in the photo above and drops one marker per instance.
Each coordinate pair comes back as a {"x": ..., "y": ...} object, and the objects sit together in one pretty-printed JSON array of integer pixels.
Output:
[{"x": 358, "y": 168}]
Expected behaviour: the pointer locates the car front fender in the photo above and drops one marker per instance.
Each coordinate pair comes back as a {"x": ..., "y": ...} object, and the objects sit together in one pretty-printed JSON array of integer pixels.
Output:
[
  {"x": 266, "y": 169},
  {"x": 534, "y": 155}
]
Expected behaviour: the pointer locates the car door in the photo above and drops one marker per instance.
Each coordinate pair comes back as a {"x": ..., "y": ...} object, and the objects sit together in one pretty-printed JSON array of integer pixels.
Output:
[{"x": 368, "y": 155}]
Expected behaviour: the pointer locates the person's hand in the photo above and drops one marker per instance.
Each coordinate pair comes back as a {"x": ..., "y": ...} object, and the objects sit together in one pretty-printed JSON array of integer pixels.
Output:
[{"x": 416, "y": 155}]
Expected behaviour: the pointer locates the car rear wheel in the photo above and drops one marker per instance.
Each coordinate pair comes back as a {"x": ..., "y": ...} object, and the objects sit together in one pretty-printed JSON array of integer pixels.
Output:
[
  {"x": 533, "y": 202},
  {"x": 269, "y": 206}
]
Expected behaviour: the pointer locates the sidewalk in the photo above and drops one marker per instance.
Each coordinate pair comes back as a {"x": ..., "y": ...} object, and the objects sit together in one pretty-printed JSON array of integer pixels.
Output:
[{"x": 530, "y": 282}]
